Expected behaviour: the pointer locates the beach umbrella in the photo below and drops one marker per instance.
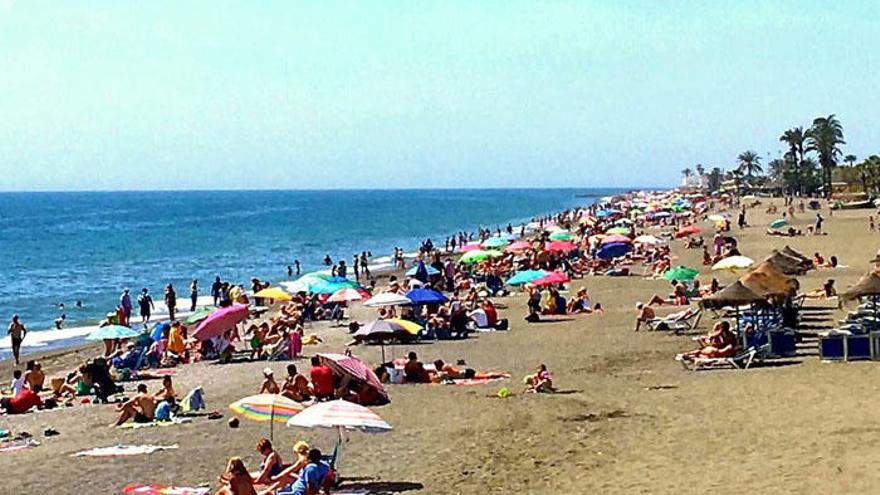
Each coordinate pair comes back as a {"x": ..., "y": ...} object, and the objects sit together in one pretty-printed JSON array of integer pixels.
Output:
[
  {"x": 552, "y": 278},
  {"x": 680, "y": 274},
  {"x": 716, "y": 218},
  {"x": 354, "y": 368},
  {"x": 421, "y": 273},
  {"x": 428, "y": 268},
  {"x": 477, "y": 256},
  {"x": 266, "y": 407},
  {"x": 387, "y": 299},
  {"x": 563, "y": 246},
  {"x": 113, "y": 332},
  {"x": 158, "y": 329},
  {"x": 687, "y": 230},
  {"x": 648, "y": 239},
  {"x": 518, "y": 246},
  {"x": 471, "y": 246},
  {"x": 410, "y": 326},
  {"x": 274, "y": 293},
  {"x": 617, "y": 231},
  {"x": 525, "y": 276},
  {"x": 426, "y": 296},
  {"x": 331, "y": 285},
  {"x": 494, "y": 242},
  {"x": 348, "y": 294},
  {"x": 220, "y": 321},
  {"x": 199, "y": 315},
  {"x": 733, "y": 263},
  {"x": 613, "y": 250},
  {"x": 778, "y": 223},
  {"x": 560, "y": 236},
  {"x": 616, "y": 238},
  {"x": 340, "y": 414}
]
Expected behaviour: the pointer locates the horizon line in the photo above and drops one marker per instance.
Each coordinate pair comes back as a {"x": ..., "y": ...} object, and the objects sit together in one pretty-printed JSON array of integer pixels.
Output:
[{"x": 331, "y": 189}]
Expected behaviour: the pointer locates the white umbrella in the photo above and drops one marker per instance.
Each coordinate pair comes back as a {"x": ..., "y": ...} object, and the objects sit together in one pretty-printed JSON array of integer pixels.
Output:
[
  {"x": 340, "y": 414},
  {"x": 387, "y": 299},
  {"x": 648, "y": 239},
  {"x": 345, "y": 295},
  {"x": 733, "y": 263}
]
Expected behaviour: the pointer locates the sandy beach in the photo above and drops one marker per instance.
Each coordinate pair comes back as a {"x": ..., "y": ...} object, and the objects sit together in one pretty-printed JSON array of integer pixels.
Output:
[{"x": 628, "y": 419}]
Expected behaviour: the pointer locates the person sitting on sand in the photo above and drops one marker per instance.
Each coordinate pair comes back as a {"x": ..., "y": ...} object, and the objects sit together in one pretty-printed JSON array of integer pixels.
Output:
[
  {"x": 316, "y": 476},
  {"x": 677, "y": 298},
  {"x": 167, "y": 390},
  {"x": 236, "y": 480},
  {"x": 322, "y": 379},
  {"x": 580, "y": 303},
  {"x": 271, "y": 464},
  {"x": 141, "y": 408},
  {"x": 21, "y": 403},
  {"x": 555, "y": 304},
  {"x": 289, "y": 474},
  {"x": 541, "y": 381},
  {"x": 645, "y": 315},
  {"x": 414, "y": 371},
  {"x": 296, "y": 386},
  {"x": 34, "y": 377},
  {"x": 269, "y": 385},
  {"x": 176, "y": 344},
  {"x": 818, "y": 260}
]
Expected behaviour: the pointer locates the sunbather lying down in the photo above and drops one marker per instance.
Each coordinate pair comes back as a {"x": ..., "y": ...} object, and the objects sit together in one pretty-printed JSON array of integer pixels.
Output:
[
  {"x": 445, "y": 371},
  {"x": 719, "y": 343}
]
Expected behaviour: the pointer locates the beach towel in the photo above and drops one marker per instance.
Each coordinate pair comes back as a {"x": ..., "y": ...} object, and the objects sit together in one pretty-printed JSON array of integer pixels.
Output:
[
  {"x": 18, "y": 445},
  {"x": 137, "y": 426},
  {"x": 164, "y": 490},
  {"x": 193, "y": 401},
  {"x": 123, "y": 450},
  {"x": 467, "y": 382}
]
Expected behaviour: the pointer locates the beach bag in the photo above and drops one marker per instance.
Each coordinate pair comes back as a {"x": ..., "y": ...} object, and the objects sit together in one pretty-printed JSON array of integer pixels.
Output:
[{"x": 502, "y": 324}]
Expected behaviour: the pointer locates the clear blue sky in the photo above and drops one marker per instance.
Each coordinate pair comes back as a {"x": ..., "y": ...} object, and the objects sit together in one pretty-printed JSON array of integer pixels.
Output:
[{"x": 109, "y": 95}]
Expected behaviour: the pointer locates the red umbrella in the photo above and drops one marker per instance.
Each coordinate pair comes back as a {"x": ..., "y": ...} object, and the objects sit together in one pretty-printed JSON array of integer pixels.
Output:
[
  {"x": 220, "y": 321},
  {"x": 355, "y": 368},
  {"x": 517, "y": 247},
  {"x": 687, "y": 230},
  {"x": 611, "y": 239},
  {"x": 559, "y": 246},
  {"x": 552, "y": 278}
]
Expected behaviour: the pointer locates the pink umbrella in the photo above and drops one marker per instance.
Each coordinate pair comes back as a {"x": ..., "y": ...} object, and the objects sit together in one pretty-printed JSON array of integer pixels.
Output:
[
  {"x": 559, "y": 246},
  {"x": 354, "y": 367},
  {"x": 517, "y": 247},
  {"x": 471, "y": 246},
  {"x": 552, "y": 278},
  {"x": 348, "y": 294},
  {"x": 687, "y": 230},
  {"x": 220, "y": 321},
  {"x": 611, "y": 239}
]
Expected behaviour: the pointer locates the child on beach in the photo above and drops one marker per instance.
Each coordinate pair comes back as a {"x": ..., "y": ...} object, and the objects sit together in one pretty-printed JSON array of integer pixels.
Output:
[{"x": 541, "y": 381}]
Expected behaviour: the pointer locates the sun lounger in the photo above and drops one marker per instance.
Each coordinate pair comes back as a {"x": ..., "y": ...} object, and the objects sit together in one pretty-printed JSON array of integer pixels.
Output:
[
  {"x": 683, "y": 321},
  {"x": 741, "y": 361}
]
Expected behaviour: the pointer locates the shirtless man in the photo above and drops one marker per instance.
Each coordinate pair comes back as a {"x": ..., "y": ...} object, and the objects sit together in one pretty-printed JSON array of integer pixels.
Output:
[
  {"x": 141, "y": 407},
  {"x": 646, "y": 314},
  {"x": 34, "y": 377},
  {"x": 17, "y": 332},
  {"x": 296, "y": 385}
]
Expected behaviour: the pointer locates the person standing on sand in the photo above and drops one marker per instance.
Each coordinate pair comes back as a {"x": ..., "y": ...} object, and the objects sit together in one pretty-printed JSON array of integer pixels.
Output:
[
  {"x": 819, "y": 220},
  {"x": 125, "y": 302},
  {"x": 170, "y": 301},
  {"x": 193, "y": 294},
  {"x": 17, "y": 333},
  {"x": 215, "y": 290},
  {"x": 145, "y": 301}
]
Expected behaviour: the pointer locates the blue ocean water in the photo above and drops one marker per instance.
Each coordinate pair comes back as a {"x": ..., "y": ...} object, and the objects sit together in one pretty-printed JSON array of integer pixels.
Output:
[{"x": 63, "y": 247}]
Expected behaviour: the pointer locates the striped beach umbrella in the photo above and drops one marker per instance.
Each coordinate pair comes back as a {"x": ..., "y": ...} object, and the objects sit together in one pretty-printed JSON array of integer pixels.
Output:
[
  {"x": 266, "y": 407},
  {"x": 342, "y": 415}
]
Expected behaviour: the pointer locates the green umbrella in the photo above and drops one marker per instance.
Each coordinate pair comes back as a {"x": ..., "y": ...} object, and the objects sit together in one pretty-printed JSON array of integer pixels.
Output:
[
  {"x": 680, "y": 274},
  {"x": 494, "y": 242},
  {"x": 560, "y": 236},
  {"x": 779, "y": 222},
  {"x": 477, "y": 256},
  {"x": 199, "y": 315}
]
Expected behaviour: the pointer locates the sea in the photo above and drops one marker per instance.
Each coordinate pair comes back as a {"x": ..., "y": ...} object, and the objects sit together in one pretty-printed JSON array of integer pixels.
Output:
[{"x": 62, "y": 247}]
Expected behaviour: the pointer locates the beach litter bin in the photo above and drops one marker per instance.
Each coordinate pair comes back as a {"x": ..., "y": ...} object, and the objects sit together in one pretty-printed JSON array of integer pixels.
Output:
[
  {"x": 858, "y": 347},
  {"x": 832, "y": 346}
]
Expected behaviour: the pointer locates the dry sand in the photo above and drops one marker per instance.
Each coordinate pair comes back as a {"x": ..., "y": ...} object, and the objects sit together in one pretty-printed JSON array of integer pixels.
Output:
[{"x": 629, "y": 420}]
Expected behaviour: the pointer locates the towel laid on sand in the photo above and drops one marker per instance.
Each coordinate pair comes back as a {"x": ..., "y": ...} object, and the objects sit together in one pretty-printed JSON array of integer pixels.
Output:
[
  {"x": 123, "y": 450},
  {"x": 137, "y": 426},
  {"x": 164, "y": 490},
  {"x": 18, "y": 445}
]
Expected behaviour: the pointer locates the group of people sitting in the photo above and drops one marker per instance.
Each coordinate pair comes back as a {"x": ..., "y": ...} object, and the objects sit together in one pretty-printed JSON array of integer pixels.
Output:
[{"x": 308, "y": 474}]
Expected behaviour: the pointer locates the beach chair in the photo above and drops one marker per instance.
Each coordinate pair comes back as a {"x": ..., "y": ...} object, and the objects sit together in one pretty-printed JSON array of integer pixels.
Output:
[
  {"x": 683, "y": 321},
  {"x": 741, "y": 361}
]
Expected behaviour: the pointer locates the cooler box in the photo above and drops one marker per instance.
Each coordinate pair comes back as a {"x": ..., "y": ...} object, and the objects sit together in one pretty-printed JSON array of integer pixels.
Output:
[
  {"x": 832, "y": 347},
  {"x": 858, "y": 347}
]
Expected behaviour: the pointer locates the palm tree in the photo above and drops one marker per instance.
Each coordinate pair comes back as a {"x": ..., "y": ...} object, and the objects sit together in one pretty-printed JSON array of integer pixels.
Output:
[
  {"x": 850, "y": 159},
  {"x": 687, "y": 173},
  {"x": 700, "y": 169},
  {"x": 714, "y": 179},
  {"x": 825, "y": 137},
  {"x": 749, "y": 163},
  {"x": 794, "y": 138}
]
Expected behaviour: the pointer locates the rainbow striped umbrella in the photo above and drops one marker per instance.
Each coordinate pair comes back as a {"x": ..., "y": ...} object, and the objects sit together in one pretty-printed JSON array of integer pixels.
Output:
[{"x": 267, "y": 407}]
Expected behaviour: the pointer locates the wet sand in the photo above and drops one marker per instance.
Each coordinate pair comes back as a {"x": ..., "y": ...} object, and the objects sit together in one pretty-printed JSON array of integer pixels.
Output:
[{"x": 628, "y": 420}]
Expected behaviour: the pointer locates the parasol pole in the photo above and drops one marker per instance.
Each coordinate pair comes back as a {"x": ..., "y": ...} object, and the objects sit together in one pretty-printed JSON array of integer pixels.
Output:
[{"x": 272, "y": 423}]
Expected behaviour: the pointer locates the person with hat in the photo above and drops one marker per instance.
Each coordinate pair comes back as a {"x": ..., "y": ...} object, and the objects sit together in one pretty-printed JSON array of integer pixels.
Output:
[{"x": 269, "y": 386}]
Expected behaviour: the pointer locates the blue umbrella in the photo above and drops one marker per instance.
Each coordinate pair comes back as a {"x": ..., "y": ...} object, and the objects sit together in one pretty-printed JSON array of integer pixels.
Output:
[
  {"x": 158, "y": 329},
  {"x": 113, "y": 332},
  {"x": 430, "y": 269},
  {"x": 525, "y": 277},
  {"x": 426, "y": 296},
  {"x": 613, "y": 250}
]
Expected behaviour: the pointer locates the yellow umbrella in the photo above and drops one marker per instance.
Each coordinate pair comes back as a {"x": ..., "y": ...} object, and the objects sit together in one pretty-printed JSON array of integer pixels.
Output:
[
  {"x": 276, "y": 293},
  {"x": 409, "y": 326}
]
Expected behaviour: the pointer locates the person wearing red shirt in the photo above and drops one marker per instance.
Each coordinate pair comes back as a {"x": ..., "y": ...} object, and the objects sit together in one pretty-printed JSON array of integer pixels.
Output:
[
  {"x": 22, "y": 402},
  {"x": 322, "y": 379},
  {"x": 491, "y": 313}
]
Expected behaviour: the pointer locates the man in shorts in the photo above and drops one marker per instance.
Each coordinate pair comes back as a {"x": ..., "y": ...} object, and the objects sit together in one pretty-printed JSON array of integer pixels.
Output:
[
  {"x": 16, "y": 332},
  {"x": 141, "y": 408}
]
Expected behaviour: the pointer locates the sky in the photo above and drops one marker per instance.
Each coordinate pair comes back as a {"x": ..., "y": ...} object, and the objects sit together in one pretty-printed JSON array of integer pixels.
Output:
[{"x": 107, "y": 95}]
